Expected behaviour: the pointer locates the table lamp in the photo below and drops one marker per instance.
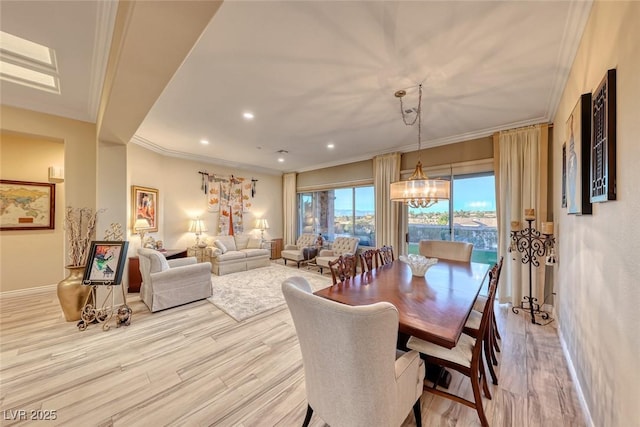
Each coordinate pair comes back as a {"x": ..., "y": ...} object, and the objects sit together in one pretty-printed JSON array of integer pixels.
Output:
[
  {"x": 262, "y": 224},
  {"x": 198, "y": 227},
  {"x": 141, "y": 226}
]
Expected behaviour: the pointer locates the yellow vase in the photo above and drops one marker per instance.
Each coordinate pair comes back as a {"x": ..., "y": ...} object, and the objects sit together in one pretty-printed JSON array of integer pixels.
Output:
[{"x": 72, "y": 294}]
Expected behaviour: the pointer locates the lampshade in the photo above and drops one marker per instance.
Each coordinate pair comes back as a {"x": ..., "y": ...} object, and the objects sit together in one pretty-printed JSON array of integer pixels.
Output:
[
  {"x": 418, "y": 191},
  {"x": 262, "y": 224},
  {"x": 197, "y": 226},
  {"x": 141, "y": 224}
]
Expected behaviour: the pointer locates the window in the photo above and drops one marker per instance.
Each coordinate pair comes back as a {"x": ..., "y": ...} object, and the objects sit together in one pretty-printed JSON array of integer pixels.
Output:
[
  {"x": 339, "y": 212},
  {"x": 470, "y": 216}
]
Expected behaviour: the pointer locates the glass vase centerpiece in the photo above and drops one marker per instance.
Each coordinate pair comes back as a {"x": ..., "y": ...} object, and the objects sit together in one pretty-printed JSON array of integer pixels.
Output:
[{"x": 418, "y": 264}]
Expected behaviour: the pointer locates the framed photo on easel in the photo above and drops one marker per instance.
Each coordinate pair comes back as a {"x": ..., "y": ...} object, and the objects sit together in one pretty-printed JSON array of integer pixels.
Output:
[{"x": 105, "y": 263}]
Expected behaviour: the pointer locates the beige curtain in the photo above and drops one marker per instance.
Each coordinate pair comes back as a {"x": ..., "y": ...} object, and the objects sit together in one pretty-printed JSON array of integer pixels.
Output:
[
  {"x": 289, "y": 208},
  {"x": 386, "y": 169},
  {"x": 521, "y": 180}
]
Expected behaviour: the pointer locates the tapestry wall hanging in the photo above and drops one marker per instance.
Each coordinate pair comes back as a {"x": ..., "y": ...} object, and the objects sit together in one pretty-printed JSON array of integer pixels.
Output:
[{"x": 230, "y": 197}]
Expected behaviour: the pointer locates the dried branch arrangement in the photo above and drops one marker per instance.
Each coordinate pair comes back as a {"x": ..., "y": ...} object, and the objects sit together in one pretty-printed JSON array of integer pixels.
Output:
[{"x": 80, "y": 224}]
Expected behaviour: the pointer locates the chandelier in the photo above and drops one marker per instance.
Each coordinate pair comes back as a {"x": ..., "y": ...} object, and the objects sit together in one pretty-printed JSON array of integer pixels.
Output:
[{"x": 418, "y": 191}]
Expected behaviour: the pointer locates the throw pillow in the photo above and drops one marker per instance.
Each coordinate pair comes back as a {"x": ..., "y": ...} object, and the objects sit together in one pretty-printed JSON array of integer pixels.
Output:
[
  {"x": 218, "y": 244},
  {"x": 254, "y": 244}
]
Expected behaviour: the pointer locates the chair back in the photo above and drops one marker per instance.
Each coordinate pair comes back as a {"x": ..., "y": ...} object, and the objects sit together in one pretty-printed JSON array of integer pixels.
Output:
[
  {"x": 306, "y": 240},
  {"x": 151, "y": 261},
  {"x": 348, "y": 353},
  {"x": 368, "y": 260},
  {"x": 343, "y": 268},
  {"x": 386, "y": 255},
  {"x": 345, "y": 246},
  {"x": 444, "y": 249}
]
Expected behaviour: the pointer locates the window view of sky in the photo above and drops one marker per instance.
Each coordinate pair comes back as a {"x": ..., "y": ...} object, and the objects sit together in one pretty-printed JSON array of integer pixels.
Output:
[{"x": 474, "y": 194}]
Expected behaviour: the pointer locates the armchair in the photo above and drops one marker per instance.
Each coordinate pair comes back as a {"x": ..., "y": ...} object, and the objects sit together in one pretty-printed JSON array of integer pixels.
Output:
[
  {"x": 169, "y": 283},
  {"x": 295, "y": 252},
  {"x": 340, "y": 246},
  {"x": 353, "y": 374}
]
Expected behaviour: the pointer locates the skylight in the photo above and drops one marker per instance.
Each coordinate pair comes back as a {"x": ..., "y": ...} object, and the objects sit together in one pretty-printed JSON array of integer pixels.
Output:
[{"x": 28, "y": 63}]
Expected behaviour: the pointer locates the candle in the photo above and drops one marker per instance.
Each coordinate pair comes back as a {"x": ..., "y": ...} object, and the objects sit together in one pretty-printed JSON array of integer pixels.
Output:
[
  {"x": 547, "y": 228},
  {"x": 529, "y": 214},
  {"x": 515, "y": 225}
]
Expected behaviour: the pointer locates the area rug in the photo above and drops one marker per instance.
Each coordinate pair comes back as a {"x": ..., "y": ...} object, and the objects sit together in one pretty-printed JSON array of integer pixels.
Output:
[{"x": 247, "y": 293}]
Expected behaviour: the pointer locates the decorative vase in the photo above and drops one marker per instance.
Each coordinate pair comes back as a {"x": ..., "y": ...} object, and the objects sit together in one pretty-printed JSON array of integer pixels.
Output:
[{"x": 72, "y": 294}]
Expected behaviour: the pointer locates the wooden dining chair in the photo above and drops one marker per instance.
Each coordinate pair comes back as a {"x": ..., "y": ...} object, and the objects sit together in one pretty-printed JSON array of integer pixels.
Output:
[
  {"x": 472, "y": 325},
  {"x": 466, "y": 357},
  {"x": 368, "y": 260},
  {"x": 386, "y": 255},
  {"x": 343, "y": 268}
]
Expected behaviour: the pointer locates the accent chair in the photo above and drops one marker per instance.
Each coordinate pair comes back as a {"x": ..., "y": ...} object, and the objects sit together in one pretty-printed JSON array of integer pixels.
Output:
[
  {"x": 295, "y": 252},
  {"x": 341, "y": 246}
]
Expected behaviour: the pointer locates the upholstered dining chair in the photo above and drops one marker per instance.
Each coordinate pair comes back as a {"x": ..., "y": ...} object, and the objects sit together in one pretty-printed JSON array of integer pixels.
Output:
[
  {"x": 370, "y": 383},
  {"x": 343, "y": 268},
  {"x": 445, "y": 249},
  {"x": 368, "y": 260},
  {"x": 386, "y": 255},
  {"x": 466, "y": 357},
  {"x": 169, "y": 283}
]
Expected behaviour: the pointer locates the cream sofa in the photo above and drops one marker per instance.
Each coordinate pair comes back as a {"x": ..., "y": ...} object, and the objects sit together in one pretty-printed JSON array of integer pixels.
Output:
[
  {"x": 230, "y": 254},
  {"x": 340, "y": 246}
]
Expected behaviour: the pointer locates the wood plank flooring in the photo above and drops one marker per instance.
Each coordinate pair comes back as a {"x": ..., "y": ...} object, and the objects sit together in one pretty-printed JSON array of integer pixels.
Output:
[{"x": 195, "y": 366}]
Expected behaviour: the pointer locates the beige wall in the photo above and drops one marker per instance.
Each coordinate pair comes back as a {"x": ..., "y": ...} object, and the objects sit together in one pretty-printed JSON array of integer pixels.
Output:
[
  {"x": 597, "y": 275},
  {"x": 30, "y": 258},
  {"x": 475, "y": 149},
  {"x": 79, "y": 188},
  {"x": 180, "y": 196}
]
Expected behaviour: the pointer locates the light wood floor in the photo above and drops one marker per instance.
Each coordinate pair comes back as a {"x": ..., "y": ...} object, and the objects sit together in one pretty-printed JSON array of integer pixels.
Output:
[{"x": 194, "y": 365}]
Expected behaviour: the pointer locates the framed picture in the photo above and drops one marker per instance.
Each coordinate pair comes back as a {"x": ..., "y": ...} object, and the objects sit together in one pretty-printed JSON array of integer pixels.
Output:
[
  {"x": 144, "y": 205},
  {"x": 603, "y": 140},
  {"x": 105, "y": 263},
  {"x": 27, "y": 205},
  {"x": 578, "y": 136}
]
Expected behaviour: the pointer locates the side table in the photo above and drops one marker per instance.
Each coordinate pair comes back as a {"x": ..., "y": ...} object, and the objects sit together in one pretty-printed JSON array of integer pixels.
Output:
[
  {"x": 201, "y": 254},
  {"x": 135, "y": 278}
]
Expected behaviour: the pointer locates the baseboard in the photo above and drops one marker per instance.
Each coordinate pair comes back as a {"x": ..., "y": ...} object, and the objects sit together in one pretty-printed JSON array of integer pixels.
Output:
[
  {"x": 574, "y": 377},
  {"x": 27, "y": 291}
]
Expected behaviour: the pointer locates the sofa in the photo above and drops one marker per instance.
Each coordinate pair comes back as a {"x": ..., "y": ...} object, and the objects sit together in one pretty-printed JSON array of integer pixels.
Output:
[
  {"x": 340, "y": 246},
  {"x": 169, "y": 283},
  {"x": 295, "y": 252},
  {"x": 231, "y": 254}
]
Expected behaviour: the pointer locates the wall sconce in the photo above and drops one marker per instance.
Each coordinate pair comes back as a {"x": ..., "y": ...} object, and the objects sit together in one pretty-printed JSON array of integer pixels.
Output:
[
  {"x": 262, "y": 224},
  {"x": 198, "y": 227},
  {"x": 141, "y": 226}
]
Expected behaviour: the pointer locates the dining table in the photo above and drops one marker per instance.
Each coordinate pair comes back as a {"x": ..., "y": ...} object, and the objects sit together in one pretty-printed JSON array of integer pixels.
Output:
[{"x": 433, "y": 307}]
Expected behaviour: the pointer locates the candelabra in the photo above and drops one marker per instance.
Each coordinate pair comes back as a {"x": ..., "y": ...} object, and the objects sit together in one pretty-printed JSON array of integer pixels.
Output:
[{"x": 532, "y": 244}]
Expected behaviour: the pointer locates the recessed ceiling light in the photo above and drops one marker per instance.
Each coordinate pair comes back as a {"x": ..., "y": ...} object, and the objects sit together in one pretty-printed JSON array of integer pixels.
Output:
[
  {"x": 330, "y": 145},
  {"x": 248, "y": 115},
  {"x": 281, "y": 159},
  {"x": 204, "y": 142}
]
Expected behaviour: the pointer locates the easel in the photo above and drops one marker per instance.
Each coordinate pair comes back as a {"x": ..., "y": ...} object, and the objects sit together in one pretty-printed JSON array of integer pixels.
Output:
[{"x": 92, "y": 312}]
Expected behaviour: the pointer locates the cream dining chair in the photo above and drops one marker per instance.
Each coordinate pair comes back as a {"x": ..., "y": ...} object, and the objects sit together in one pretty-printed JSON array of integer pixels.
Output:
[
  {"x": 446, "y": 249},
  {"x": 353, "y": 374}
]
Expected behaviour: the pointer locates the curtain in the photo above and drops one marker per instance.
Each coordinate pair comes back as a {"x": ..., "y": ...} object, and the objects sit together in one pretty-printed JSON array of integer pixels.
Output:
[
  {"x": 521, "y": 181},
  {"x": 386, "y": 169},
  {"x": 289, "y": 200}
]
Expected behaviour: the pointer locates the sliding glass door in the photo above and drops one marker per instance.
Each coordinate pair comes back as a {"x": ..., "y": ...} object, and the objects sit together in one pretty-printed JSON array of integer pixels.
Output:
[{"x": 470, "y": 216}]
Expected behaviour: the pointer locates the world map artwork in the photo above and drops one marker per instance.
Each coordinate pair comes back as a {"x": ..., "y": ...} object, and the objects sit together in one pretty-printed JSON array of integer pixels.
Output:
[{"x": 25, "y": 206}]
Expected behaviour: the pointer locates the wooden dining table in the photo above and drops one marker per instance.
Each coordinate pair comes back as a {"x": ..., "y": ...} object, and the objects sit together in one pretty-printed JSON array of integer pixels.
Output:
[{"x": 433, "y": 307}]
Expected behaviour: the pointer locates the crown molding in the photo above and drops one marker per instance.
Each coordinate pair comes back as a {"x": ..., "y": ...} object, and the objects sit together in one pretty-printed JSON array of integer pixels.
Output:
[{"x": 105, "y": 21}]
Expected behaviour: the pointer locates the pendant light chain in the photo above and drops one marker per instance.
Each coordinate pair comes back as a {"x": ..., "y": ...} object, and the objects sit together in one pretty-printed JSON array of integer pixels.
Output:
[{"x": 417, "y": 118}]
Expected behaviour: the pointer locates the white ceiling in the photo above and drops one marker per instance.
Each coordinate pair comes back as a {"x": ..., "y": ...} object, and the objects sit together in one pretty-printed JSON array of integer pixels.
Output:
[{"x": 315, "y": 72}]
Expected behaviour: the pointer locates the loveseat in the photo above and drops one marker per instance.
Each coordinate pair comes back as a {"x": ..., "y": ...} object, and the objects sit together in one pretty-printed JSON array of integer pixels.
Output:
[{"x": 230, "y": 254}]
